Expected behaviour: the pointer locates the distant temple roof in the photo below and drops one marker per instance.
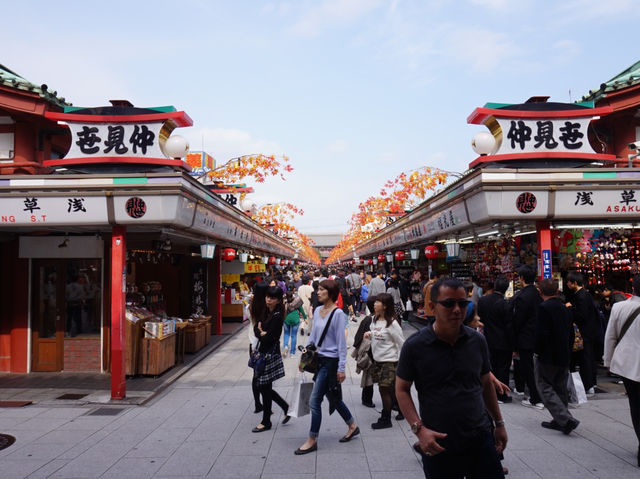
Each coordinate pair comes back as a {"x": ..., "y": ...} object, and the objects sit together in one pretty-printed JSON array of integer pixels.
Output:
[
  {"x": 626, "y": 79},
  {"x": 13, "y": 80}
]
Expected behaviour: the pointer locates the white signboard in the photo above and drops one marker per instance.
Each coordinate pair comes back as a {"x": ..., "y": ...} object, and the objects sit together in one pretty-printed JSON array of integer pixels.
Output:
[
  {"x": 563, "y": 135},
  {"x": 115, "y": 140},
  {"x": 621, "y": 204},
  {"x": 60, "y": 210}
]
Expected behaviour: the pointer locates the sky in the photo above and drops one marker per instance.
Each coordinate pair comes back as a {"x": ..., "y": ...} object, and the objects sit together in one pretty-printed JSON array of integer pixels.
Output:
[{"x": 353, "y": 91}]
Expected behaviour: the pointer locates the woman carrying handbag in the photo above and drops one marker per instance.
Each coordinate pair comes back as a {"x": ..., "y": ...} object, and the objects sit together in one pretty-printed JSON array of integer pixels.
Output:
[
  {"x": 332, "y": 356},
  {"x": 268, "y": 332}
]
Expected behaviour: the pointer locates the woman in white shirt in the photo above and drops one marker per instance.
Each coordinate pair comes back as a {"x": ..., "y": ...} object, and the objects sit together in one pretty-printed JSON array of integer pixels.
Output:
[{"x": 387, "y": 339}]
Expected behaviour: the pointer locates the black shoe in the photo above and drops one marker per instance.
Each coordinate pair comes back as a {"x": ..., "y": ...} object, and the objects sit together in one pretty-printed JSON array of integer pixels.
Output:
[
  {"x": 368, "y": 404},
  {"x": 570, "y": 426},
  {"x": 257, "y": 409},
  {"x": 286, "y": 419},
  {"x": 300, "y": 452},
  {"x": 261, "y": 429},
  {"x": 506, "y": 399},
  {"x": 551, "y": 425},
  {"x": 383, "y": 423},
  {"x": 348, "y": 437},
  {"x": 399, "y": 417}
]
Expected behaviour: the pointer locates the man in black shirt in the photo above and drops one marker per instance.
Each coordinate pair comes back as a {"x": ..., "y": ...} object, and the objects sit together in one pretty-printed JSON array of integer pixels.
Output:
[
  {"x": 525, "y": 315},
  {"x": 586, "y": 318},
  {"x": 449, "y": 364},
  {"x": 498, "y": 331},
  {"x": 554, "y": 340}
]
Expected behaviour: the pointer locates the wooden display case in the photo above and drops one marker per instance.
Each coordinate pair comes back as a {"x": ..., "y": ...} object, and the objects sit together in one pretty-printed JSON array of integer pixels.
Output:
[
  {"x": 157, "y": 354},
  {"x": 232, "y": 312},
  {"x": 195, "y": 337}
]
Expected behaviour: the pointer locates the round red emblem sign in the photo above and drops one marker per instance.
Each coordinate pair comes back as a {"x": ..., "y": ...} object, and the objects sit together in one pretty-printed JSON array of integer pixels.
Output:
[
  {"x": 526, "y": 202},
  {"x": 136, "y": 207}
]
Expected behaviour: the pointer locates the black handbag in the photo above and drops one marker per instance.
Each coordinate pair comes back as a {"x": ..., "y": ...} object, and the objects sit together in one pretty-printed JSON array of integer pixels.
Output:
[
  {"x": 309, "y": 357},
  {"x": 258, "y": 360}
]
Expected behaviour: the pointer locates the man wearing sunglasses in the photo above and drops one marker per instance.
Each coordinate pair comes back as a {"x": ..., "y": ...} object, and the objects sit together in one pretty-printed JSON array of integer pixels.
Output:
[{"x": 449, "y": 364}]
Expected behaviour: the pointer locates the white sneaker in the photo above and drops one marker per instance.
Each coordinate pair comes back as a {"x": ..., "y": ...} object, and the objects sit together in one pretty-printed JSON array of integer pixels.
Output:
[
  {"x": 519, "y": 393},
  {"x": 591, "y": 391},
  {"x": 285, "y": 351},
  {"x": 527, "y": 403}
]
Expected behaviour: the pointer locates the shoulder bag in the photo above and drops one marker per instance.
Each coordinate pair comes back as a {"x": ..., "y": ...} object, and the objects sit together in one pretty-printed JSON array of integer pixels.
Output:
[
  {"x": 627, "y": 324},
  {"x": 309, "y": 357}
]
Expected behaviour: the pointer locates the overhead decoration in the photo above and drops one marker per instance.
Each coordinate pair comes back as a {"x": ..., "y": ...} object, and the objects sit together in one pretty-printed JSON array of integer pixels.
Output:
[
  {"x": 397, "y": 198},
  {"x": 228, "y": 254}
]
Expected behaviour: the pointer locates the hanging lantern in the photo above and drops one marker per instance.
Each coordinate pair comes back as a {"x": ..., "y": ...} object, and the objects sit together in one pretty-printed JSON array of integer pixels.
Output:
[
  {"x": 228, "y": 254},
  {"x": 415, "y": 253},
  {"x": 381, "y": 258},
  {"x": 453, "y": 249},
  {"x": 265, "y": 259},
  {"x": 431, "y": 251},
  {"x": 207, "y": 250},
  {"x": 399, "y": 255},
  {"x": 272, "y": 260},
  {"x": 388, "y": 256},
  {"x": 243, "y": 257},
  {"x": 370, "y": 261},
  {"x": 374, "y": 260}
]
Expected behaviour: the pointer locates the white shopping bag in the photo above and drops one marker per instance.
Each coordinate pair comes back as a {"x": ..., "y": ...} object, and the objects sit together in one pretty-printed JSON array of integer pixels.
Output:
[
  {"x": 300, "y": 399},
  {"x": 577, "y": 394},
  {"x": 409, "y": 306}
]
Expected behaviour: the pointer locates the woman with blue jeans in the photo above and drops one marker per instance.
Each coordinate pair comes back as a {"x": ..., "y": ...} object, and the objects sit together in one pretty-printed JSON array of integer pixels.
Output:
[
  {"x": 294, "y": 311},
  {"x": 332, "y": 356}
]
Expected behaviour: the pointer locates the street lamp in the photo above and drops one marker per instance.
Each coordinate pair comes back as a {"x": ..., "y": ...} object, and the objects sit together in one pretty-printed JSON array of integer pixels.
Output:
[
  {"x": 483, "y": 143},
  {"x": 176, "y": 146}
]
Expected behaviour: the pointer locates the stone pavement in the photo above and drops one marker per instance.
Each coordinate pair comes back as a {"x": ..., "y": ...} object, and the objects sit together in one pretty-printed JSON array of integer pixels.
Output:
[{"x": 201, "y": 427}]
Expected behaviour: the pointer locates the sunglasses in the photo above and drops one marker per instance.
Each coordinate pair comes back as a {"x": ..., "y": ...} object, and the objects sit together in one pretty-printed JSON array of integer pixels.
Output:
[{"x": 450, "y": 303}]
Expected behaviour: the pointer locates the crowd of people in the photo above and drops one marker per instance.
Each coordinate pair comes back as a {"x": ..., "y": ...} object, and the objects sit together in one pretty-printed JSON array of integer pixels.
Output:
[{"x": 460, "y": 363}]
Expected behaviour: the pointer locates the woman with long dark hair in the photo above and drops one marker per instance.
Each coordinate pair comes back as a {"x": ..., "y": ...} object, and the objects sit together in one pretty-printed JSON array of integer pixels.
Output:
[
  {"x": 268, "y": 332},
  {"x": 387, "y": 339},
  {"x": 257, "y": 310},
  {"x": 332, "y": 356}
]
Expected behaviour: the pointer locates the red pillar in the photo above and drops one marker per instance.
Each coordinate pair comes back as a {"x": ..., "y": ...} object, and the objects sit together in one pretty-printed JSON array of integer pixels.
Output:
[
  {"x": 544, "y": 248},
  {"x": 217, "y": 282},
  {"x": 118, "y": 290}
]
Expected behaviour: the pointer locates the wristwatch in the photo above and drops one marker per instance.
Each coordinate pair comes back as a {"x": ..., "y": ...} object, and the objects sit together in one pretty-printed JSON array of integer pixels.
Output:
[
  {"x": 499, "y": 423},
  {"x": 415, "y": 427}
]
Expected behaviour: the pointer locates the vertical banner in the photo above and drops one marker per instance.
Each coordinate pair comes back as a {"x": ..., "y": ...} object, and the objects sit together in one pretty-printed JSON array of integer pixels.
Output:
[
  {"x": 199, "y": 289},
  {"x": 546, "y": 264}
]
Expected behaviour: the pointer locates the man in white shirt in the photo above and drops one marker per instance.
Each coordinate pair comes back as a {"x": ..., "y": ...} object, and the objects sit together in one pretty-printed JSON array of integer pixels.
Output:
[
  {"x": 622, "y": 350},
  {"x": 304, "y": 292},
  {"x": 376, "y": 286}
]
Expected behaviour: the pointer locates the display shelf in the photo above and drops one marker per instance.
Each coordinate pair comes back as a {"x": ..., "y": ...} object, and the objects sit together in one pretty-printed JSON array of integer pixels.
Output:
[{"x": 157, "y": 355}]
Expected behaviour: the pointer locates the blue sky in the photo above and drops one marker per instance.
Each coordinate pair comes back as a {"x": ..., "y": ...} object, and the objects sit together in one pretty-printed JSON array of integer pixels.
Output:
[{"x": 353, "y": 91}]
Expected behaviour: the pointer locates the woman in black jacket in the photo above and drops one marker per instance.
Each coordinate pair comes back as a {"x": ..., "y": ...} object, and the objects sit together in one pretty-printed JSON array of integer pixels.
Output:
[{"x": 268, "y": 332}]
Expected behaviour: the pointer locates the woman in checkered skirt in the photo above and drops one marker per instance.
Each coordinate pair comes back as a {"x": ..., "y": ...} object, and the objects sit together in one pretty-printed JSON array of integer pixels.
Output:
[{"x": 268, "y": 332}]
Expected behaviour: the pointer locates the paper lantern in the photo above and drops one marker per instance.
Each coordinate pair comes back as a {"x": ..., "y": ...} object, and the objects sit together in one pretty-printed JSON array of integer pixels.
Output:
[
  {"x": 207, "y": 250},
  {"x": 265, "y": 259},
  {"x": 370, "y": 261},
  {"x": 381, "y": 258},
  {"x": 243, "y": 257},
  {"x": 374, "y": 260},
  {"x": 272, "y": 260},
  {"x": 399, "y": 255},
  {"x": 415, "y": 253},
  {"x": 388, "y": 256},
  {"x": 228, "y": 254},
  {"x": 431, "y": 251}
]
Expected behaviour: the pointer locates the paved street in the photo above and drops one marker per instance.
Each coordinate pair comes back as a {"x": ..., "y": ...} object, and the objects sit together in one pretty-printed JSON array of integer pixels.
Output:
[{"x": 201, "y": 427}]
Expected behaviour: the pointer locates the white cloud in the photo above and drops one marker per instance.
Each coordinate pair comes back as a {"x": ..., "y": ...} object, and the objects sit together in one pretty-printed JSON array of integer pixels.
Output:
[
  {"x": 483, "y": 50},
  {"x": 337, "y": 146},
  {"x": 332, "y": 13},
  {"x": 224, "y": 144},
  {"x": 597, "y": 9}
]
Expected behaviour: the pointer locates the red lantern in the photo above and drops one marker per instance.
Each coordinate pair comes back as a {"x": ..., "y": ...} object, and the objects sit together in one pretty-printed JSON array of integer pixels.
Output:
[
  {"x": 381, "y": 258},
  {"x": 272, "y": 260},
  {"x": 399, "y": 255},
  {"x": 431, "y": 251},
  {"x": 370, "y": 261},
  {"x": 228, "y": 254}
]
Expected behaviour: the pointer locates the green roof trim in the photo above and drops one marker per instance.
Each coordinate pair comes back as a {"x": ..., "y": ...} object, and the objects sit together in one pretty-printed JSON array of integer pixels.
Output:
[
  {"x": 625, "y": 79},
  {"x": 608, "y": 174},
  {"x": 495, "y": 106},
  {"x": 159, "y": 109},
  {"x": 142, "y": 180},
  {"x": 11, "y": 79}
]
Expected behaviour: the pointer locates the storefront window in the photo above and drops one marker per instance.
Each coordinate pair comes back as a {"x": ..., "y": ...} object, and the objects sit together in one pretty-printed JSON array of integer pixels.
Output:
[{"x": 83, "y": 294}]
